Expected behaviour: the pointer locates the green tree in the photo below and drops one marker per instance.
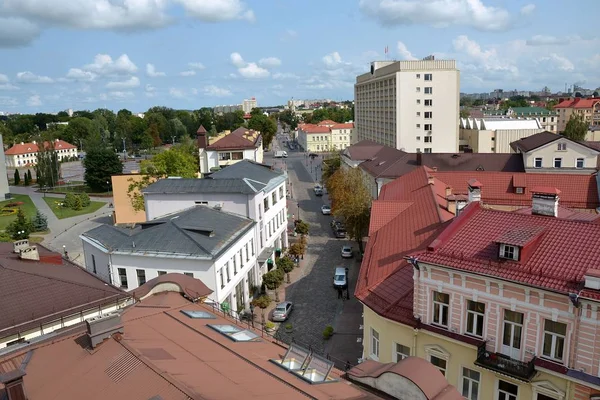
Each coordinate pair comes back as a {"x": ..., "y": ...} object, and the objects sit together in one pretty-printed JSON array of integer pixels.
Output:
[
  {"x": 29, "y": 176},
  {"x": 100, "y": 164},
  {"x": 162, "y": 124},
  {"x": 351, "y": 201},
  {"x": 48, "y": 167},
  {"x": 229, "y": 121},
  {"x": 204, "y": 117},
  {"x": 69, "y": 200},
  {"x": 465, "y": 113},
  {"x": 285, "y": 264},
  {"x": 21, "y": 227},
  {"x": 265, "y": 125},
  {"x": 576, "y": 128},
  {"x": 177, "y": 129},
  {"x": 77, "y": 204},
  {"x": 273, "y": 279},
  {"x": 80, "y": 129},
  {"x": 39, "y": 222},
  {"x": 17, "y": 178},
  {"x": 85, "y": 199},
  {"x": 173, "y": 162},
  {"x": 26, "y": 181},
  {"x": 330, "y": 166}
]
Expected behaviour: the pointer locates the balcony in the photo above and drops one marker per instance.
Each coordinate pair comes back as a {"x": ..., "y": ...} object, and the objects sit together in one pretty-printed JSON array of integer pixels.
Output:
[{"x": 497, "y": 362}]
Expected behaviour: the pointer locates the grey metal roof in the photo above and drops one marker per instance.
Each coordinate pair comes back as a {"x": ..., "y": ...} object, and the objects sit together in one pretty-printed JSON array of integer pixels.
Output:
[
  {"x": 246, "y": 177},
  {"x": 199, "y": 231}
]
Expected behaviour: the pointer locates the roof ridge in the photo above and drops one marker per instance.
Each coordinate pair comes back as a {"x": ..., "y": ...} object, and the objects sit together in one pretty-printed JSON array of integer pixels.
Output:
[{"x": 184, "y": 231}]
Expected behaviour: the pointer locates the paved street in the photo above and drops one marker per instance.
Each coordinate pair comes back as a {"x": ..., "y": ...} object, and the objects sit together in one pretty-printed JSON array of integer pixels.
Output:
[{"x": 316, "y": 303}]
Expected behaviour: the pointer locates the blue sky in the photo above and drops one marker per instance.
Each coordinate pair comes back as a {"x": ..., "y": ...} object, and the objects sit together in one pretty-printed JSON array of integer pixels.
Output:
[{"x": 85, "y": 54}]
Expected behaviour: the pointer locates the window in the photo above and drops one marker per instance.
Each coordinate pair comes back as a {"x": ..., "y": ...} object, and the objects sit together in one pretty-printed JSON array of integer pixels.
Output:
[
  {"x": 507, "y": 391},
  {"x": 123, "y": 277},
  {"x": 252, "y": 245},
  {"x": 519, "y": 190},
  {"x": 428, "y": 127},
  {"x": 428, "y": 114},
  {"x": 470, "y": 384},
  {"x": 162, "y": 273},
  {"x": 537, "y": 162},
  {"x": 418, "y": 149},
  {"x": 418, "y": 113},
  {"x": 509, "y": 252},
  {"x": 266, "y": 203},
  {"x": 234, "y": 265},
  {"x": 94, "y": 263},
  {"x": 475, "y": 315},
  {"x": 418, "y": 76},
  {"x": 274, "y": 198},
  {"x": 418, "y": 101},
  {"x": 281, "y": 192},
  {"x": 428, "y": 77},
  {"x": 427, "y": 150},
  {"x": 554, "y": 339},
  {"x": 222, "y": 281},
  {"x": 441, "y": 302},
  {"x": 374, "y": 343},
  {"x": 427, "y": 139},
  {"x": 418, "y": 137},
  {"x": 418, "y": 90},
  {"x": 227, "y": 272},
  {"x": 428, "y": 102},
  {"x": 418, "y": 126},
  {"x": 401, "y": 352},
  {"x": 561, "y": 147},
  {"x": 557, "y": 162},
  {"x": 579, "y": 163},
  {"x": 201, "y": 203},
  {"x": 141, "y": 276},
  {"x": 241, "y": 258},
  {"x": 224, "y": 156},
  {"x": 237, "y": 155},
  {"x": 190, "y": 274},
  {"x": 440, "y": 363},
  {"x": 429, "y": 90}
]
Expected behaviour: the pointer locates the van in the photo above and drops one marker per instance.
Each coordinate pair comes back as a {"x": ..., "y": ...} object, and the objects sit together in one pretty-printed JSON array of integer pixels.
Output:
[
  {"x": 281, "y": 154},
  {"x": 340, "y": 280}
]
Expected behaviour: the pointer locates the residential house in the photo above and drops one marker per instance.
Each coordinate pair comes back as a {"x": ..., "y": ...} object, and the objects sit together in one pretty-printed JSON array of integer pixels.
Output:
[
  {"x": 494, "y": 135},
  {"x": 171, "y": 345},
  {"x": 214, "y": 246},
  {"x": 485, "y": 296},
  {"x": 42, "y": 293},
  {"x": 409, "y": 105},
  {"x": 341, "y": 135},
  {"x": 589, "y": 108},
  {"x": 327, "y": 135},
  {"x": 548, "y": 118},
  {"x": 228, "y": 148},
  {"x": 549, "y": 152},
  {"x": 25, "y": 154}
]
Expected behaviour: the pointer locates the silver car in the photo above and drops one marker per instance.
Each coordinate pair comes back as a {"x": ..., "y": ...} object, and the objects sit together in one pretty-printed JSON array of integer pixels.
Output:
[
  {"x": 282, "y": 311},
  {"x": 346, "y": 252},
  {"x": 325, "y": 210}
]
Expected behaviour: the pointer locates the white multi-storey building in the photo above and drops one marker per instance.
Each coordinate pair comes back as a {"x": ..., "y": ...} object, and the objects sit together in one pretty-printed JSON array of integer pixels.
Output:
[
  {"x": 409, "y": 105},
  {"x": 25, "y": 154},
  {"x": 248, "y": 105}
]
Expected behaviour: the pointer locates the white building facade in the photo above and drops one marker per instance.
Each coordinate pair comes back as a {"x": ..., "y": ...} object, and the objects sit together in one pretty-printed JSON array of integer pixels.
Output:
[
  {"x": 248, "y": 105},
  {"x": 25, "y": 154},
  {"x": 409, "y": 105}
]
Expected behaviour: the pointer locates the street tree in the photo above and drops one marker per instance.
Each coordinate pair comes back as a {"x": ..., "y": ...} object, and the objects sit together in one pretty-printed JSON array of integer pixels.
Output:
[
  {"x": 350, "y": 201},
  {"x": 576, "y": 128},
  {"x": 330, "y": 166},
  {"x": 265, "y": 125},
  {"x": 21, "y": 227},
  {"x": 100, "y": 165}
]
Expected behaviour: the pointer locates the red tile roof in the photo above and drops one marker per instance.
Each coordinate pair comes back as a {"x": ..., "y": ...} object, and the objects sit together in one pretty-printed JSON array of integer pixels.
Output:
[
  {"x": 385, "y": 279},
  {"x": 577, "y": 103},
  {"x": 310, "y": 128},
  {"x": 239, "y": 139},
  {"x": 578, "y": 190},
  {"x": 567, "y": 213},
  {"x": 565, "y": 250},
  {"x": 327, "y": 122},
  {"x": 25, "y": 148},
  {"x": 348, "y": 125}
]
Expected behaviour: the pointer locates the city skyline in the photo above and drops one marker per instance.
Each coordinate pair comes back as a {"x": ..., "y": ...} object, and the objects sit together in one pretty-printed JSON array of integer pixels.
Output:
[{"x": 188, "y": 54}]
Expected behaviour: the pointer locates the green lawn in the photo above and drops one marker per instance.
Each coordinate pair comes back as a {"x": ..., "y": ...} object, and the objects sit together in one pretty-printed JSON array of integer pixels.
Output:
[
  {"x": 27, "y": 206},
  {"x": 78, "y": 189},
  {"x": 62, "y": 212}
]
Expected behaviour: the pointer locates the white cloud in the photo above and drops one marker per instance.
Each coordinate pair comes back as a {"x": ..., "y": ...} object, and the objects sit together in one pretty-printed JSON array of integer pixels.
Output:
[
  {"x": 285, "y": 75},
  {"x": 269, "y": 62},
  {"x": 217, "y": 10},
  {"x": 196, "y": 65},
  {"x": 187, "y": 73},
  {"x": 152, "y": 72},
  {"x": 30, "y": 77},
  {"x": 546, "y": 40},
  {"x": 8, "y": 86},
  {"x": 132, "y": 82},
  {"x": 237, "y": 60},
  {"x": 438, "y": 13},
  {"x": 216, "y": 91},
  {"x": 528, "y": 9},
  {"x": 34, "y": 101},
  {"x": 3, "y": 78},
  {"x": 404, "y": 53},
  {"x": 556, "y": 62},
  {"x": 104, "y": 65},
  {"x": 177, "y": 93},
  {"x": 77, "y": 74},
  {"x": 117, "y": 95},
  {"x": 150, "y": 90},
  {"x": 248, "y": 70},
  {"x": 332, "y": 59},
  {"x": 6, "y": 101},
  {"x": 15, "y": 32},
  {"x": 483, "y": 61}
]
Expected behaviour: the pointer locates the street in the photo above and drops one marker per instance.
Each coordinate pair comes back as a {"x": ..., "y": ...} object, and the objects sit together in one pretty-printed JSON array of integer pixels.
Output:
[{"x": 316, "y": 302}]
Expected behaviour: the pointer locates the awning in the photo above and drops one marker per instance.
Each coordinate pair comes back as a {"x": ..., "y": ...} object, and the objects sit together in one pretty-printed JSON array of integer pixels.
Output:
[{"x": 265, "y": 255}]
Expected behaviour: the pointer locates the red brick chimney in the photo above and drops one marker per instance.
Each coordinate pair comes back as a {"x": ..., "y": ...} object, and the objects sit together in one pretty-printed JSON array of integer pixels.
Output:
[
  {"x": 13, "y": 383},
  {"x": 201, "y": 136}
]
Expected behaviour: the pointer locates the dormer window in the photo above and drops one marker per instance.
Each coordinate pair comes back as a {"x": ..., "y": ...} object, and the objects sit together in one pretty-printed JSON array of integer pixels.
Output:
[
  {"x": 509, "y": 252},
  {"x": 519, "y": 190}
]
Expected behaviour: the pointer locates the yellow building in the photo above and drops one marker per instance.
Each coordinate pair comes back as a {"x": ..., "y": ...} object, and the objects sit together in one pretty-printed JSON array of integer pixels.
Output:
[
  {"x": 124, "y": 212},
  {"x": 327, "y": 135}
]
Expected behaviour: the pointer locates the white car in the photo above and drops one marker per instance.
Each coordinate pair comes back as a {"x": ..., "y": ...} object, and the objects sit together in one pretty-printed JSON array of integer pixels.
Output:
[
  {"x": 325, "y": 210},
  {"x": 346, "y": 252}
]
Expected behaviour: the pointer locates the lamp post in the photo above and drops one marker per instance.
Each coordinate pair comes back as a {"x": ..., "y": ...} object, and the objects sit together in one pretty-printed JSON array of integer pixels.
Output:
[{"x": 107, "y": 186}]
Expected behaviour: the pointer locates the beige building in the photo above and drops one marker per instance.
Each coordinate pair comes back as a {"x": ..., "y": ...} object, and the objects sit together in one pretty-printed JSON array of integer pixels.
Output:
[
  {"x": 124, "y": 213},
  {"x": 589, "y": 108},
  {"x": 248, "y": 105},
  {"x": 325, "y": 136},
  {"x": 548, "y": 118},
  {"x": 409, "y": 105},
  {"x": 494, "y": 135}
]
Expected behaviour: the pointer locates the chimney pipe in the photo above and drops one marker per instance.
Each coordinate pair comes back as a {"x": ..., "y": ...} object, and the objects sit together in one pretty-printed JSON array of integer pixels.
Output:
[
  {"x": 430, "y": 180},
  {"x": 544, "y": 201},
  {"x": 419, "y": 158},
  {"x": 13, "y": 384},
  {"x": 448, "y": 191},
  {"x": 102, "y": 327},
  {"x": 474, "y": 190}
]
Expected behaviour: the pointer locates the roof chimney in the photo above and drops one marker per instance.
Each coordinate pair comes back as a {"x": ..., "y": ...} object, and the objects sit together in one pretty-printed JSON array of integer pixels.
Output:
[
  {"x": 474, "y": 190},
  {"x": 29, "y": 253},
  {"x": 430, "y": 180},
  {"x": 20, "y": 245},
  {"x": 419, "y": 158},
  {"x": 448, "y": 191},
  {"x": 102, "y": 327},
  {"x": 544, "y": 201},
  {"x": 13, "y": 383}
]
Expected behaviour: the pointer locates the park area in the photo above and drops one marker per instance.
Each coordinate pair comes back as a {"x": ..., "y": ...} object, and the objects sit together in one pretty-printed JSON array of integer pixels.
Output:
[
  {"x": 9, "y": 209},
  {"x": 72, "y": 205}
]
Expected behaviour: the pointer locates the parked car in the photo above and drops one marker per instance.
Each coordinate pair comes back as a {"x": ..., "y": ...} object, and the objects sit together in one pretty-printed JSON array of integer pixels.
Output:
[
  {"x": 325, "y": 209},
  {"x": 318, "y": 192},
  {"x": 347, "y": 252},
  {"x": 282, "y": 311},
  {"x": 340, "y": 280}
]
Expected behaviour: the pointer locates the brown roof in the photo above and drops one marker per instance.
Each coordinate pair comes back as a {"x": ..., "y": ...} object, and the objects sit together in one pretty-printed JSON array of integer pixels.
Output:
[
  {"x": 363, "y": 150},
  {"x": 423, "y": 374},
  {"x": 201, "y": 129},
  {"x": 165, "y": 353},
  {"x": 37, "y": 292},
  {"x": 25, "y": 148},
  {"x": 534, "y": 141},
  {"x": 501, "y": 162},
  {"x": 193, "y": 289},
  {"x": 239, "y": 139}
]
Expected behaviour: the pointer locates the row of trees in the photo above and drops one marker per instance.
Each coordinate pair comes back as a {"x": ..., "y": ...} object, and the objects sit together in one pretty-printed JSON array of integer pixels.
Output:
[{"x": 334, "y": 113}]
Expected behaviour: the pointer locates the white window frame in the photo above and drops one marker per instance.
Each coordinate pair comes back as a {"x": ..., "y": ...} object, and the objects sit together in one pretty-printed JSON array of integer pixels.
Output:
[
  {"x": 374, "y": 344},
  {"x": 476, "y": 315},
  {"x": 509, "y": 396},
  {"x": 469, "y": 381},
  {"x": 399, "y": 355},
  {"x": 560, "y": 162},
  {"x": 428, "y": 139},
  {"x": 438, "y": 318},
  {"x": 554, "y": 337},
  {"x": 535, "y": 160},
  {"x": 445, "y": 360},
  {"x": 430, "y": 76},
  {"x": 582, "y": 162},
  {"x": 429, "y": 90},
  {"x": 505, "y": 249},
  {"x": 562, "y": 146}
]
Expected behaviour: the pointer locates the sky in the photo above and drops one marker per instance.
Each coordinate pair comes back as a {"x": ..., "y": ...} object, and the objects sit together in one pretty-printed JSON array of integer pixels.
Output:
[{"x": 187, "y": 54}]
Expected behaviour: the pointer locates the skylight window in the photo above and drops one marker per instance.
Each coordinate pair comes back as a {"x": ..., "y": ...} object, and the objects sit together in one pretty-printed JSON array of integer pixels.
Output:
[
  {"x": 306, "y": 365},
  {"x": 235, "y": 333},
  {"x": 198, "y": 314}
]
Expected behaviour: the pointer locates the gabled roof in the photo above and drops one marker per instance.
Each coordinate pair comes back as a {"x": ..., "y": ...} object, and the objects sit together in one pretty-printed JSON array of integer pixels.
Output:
[
  {"x": 250, "y": 170},
  {"x": 534, "y": 141},
  {"x": 363, "y": 150},
  {"x": 310, "y": 128},
  {"x": 388, "y": 162},
  {"x": 201, "y": 129},
  {"x": 577, "y": 103},
  {"x": 33, "y": 293},
  {"x": 565, "y": 250},
  {"x": 239, "y": 139},
  {"x": 25, "y": 148},
  {"x": 199, "y": 231},
  {"x": 499, "y": 162},
  {"x": 347, "y": 125}
]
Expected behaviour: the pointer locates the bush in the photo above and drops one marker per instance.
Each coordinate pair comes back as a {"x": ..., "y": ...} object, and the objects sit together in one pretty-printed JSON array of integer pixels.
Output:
[
  {"x": 5, "y": 237},
  {"x": 296, "y": 250},
  {"x": 328, "y": 332},
  {"x": 269, "y": 325},
  {"x": 85, "y": 199},
  {"x": 273, "y": 279},
  {"x": 289, "y": 327},
  {"x": 69, "y": 201},
  {"x": 78, "y": 205}
]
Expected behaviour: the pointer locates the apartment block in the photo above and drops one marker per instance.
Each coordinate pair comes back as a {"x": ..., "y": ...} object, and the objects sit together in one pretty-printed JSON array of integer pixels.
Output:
[
  {"x": 409, "y": 105},
  {"x": 589, "y": 108}
]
